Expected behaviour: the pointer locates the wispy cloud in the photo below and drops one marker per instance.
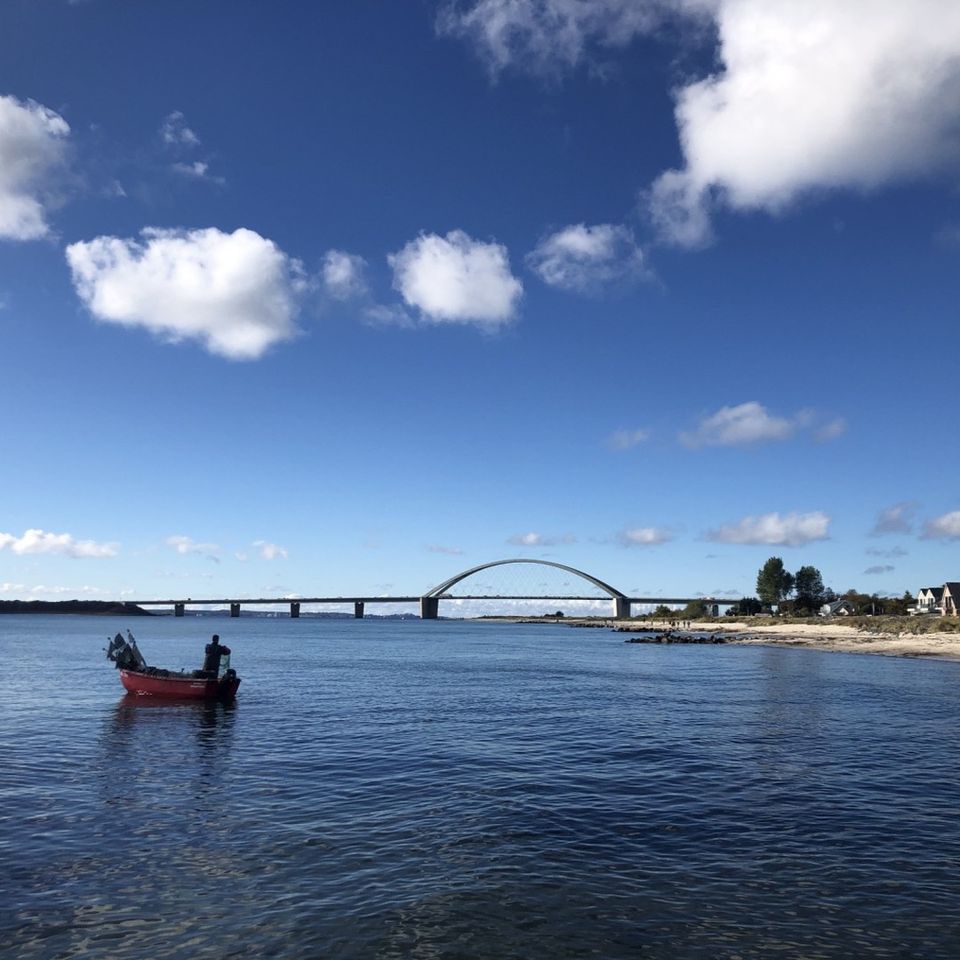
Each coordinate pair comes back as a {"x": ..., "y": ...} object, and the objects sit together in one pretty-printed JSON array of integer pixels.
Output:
[
  {"x": 831, "y": 430},
  {"x": 741, "y": 425},
  {"x": 35, "y": 541},
  {"x": 879, "y": 569},
  {"x": 585, "y": 259},
  {"x": 344, "y": 275},
  {"x": 751, "y": 423},
  {"x": 449, "y": 551},
  {"x": 895, "y": 519},
  {"x": 175, "y": 132},
  {"x": 627, "y": 439},
  {"x": 270, "y": 551},
  {"x": 791, "y": 530},
  {"x": 892, "y": 554},
  {"x": 945, "y": 527},
  {"x": 186, "y": 546},
  {"x": 644, "y": 536},
  {"x": 532, "y": 539}
]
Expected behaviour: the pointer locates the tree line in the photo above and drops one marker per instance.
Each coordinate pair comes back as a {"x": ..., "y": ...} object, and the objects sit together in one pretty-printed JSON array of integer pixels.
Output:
[{"x": 797, "y": 594}]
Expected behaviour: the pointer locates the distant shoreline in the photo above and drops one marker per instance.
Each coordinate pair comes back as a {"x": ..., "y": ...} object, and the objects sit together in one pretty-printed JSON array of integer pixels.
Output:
[
  {"x": 102, "y": 608},
  {"x": 829, "y": 636}
]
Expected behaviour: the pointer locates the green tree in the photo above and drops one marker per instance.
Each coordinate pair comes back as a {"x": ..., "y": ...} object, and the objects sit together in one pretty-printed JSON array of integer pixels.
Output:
[
  {"x": 774, "y": 582},
  {"x": 746, "y": 607},
  {"x": 808, "y": 586},
  {"x": 694, "y": 610},
  {"x": 663, "y": 612}
]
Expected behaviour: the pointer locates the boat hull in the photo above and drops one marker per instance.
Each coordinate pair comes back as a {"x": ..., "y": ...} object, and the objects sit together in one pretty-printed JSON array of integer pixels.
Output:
[{"x": 180, "y": 688}]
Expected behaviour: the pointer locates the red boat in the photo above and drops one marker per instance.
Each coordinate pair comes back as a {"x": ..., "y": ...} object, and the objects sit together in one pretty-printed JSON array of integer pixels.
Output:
[
  {"x": 147, "y": 681},
  {"x": 182, "y": 686}
]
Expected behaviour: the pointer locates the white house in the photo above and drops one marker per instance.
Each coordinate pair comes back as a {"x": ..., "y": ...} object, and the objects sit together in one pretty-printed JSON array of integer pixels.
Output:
[{"x": 840, "y": 608}]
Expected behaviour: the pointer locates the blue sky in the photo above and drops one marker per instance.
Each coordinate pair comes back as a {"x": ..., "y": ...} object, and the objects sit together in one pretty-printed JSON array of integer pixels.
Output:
[{"x": 343, "y": 298}]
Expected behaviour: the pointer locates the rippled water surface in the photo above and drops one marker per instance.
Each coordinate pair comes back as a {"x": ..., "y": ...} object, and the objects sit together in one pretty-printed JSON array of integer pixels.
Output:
[{"x": 444, "y": 789}]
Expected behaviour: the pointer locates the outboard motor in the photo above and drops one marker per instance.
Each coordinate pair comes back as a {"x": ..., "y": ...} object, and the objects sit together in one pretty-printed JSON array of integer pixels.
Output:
[{"x": 125, "y": 653}]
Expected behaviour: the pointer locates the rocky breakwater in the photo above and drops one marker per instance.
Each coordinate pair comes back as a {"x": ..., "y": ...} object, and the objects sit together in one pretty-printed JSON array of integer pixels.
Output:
[{"x": 672, "y": 636}]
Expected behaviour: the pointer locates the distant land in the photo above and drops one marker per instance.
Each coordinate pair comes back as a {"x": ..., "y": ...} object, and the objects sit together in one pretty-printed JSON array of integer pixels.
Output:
[
  {"x": 103, "y": 608},
  {"x": 110, "y": 608}
]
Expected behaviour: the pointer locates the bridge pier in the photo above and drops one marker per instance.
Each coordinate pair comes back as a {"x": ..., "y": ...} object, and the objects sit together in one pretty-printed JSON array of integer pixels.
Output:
[
  {"x": 358, "y": 610},
  {"x": 178, "y": 609},
  {"x": 234, "y": 609},
  {"x": 621, "y": 608},
  {"x": 429, "y": 608},
  {"x": 294, "y": 609}
]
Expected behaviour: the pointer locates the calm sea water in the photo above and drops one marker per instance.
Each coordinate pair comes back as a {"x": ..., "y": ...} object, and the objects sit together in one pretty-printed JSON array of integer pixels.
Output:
[{"x": 461, "y": 790}]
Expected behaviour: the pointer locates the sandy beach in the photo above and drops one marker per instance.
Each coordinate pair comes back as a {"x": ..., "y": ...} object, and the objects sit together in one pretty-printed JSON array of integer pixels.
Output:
[{"x": 831, "y": 636}]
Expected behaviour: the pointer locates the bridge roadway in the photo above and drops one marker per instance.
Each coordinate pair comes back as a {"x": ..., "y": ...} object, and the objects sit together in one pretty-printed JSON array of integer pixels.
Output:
[{"x": 429, "y": 605}]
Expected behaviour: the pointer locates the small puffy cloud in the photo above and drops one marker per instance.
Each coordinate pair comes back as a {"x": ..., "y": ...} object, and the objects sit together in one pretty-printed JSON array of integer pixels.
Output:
[
  {"x": 879, "y": 569},
  {"x": 186, "y": 546},
  {"x": 791, "y": 530},
  {"x": 812, "y": 96},
  {"x": 946, "y": 527},
  {"x": 741, "y": 425},
  {"x": 270, "y": 551},
  {"x": 456, "y": 279},
  {"x": 583, "y": 258},
  {"x": 344, "y": 275},
  {"x": 36, "y": 541},
  {"x": 644, "y": 537},
  {"x": 449, "y": 551},
  {"x": 236, "y": 293},
  {"x": 539, "y": 540},
  {"x": 175, "y": 132},
  {"x": 32, "y": 149},
  {"x": 895, "y": 519},
  {"x": 626, "y": 439}
]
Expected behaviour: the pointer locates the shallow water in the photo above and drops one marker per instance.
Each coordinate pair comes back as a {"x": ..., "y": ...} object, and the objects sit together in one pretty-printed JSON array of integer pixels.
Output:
[{"x": 451, "y": 789}]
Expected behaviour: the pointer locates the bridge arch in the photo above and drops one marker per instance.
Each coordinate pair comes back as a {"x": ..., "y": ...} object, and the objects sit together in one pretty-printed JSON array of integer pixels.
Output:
[{"x": 438, "y": 591}]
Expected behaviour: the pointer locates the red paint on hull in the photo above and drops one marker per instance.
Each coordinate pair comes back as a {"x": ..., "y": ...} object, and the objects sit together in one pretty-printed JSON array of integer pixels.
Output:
[{"x": 181, "y": 688}]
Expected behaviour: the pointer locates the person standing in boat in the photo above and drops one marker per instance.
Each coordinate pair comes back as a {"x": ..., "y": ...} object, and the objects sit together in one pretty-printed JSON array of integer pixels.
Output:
[{"x": 212, "y": 654}]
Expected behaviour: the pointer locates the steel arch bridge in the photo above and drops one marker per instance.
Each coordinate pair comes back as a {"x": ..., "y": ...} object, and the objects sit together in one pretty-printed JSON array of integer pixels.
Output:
[{"x": 430, "y": 601}]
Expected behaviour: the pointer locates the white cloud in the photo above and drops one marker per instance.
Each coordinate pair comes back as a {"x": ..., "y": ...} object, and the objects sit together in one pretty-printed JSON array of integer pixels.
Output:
[
  {"x": 830, "y": 430},
  {"x": 879, "y": 569},
  {"x": 186, "y": 545},
  {"x": 546, "y": 36},
  {"x": 895, "y": 519},
  {"x": 36, "y": 541},
  {"x": 32, "y": 148},
  {"x": 539, "y": 540},
  {"x": 236, "y": 292},
  {"x": 270, "y": 551},
  {"x": 812, "y": 96},
  {"x": 344, "y": 275},
  {"x": 791, "y": 530},
  {"x": 197, "y": 170},
  {"x": 450, "y": 551},
  {"x": 626, "y": 439},
  {"x": 388, "y": 315},
  {"x": 456, "y": 279},
  {"x": 175, "y": 132},
  {"x": 585, "y": 258},
  {"x": 946, "y": 527},
  {"x": 743, "y": 424},
  {"x": 644, "y": 537}
]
